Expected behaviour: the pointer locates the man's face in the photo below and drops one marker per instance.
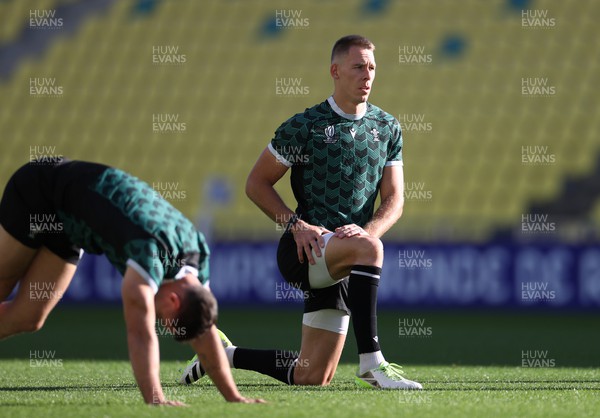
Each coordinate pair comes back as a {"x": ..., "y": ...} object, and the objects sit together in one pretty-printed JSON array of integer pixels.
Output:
[
  {"x": 355, "y": 74},
  {"x": 166, "y": 301}
]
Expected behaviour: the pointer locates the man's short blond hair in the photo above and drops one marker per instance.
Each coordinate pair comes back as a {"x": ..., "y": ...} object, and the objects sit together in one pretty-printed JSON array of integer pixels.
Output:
[{"x": 343, "y": 45}]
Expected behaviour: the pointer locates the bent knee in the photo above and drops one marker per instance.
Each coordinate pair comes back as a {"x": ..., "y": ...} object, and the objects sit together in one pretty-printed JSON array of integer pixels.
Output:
[
  {"x": 28, "y": 323},
  {"x": 368, "y": 250},
  {"x": 313, "y": 381},
  {"x": 16, "y": 320},
  {"x": 313, "y": 378},
  {"x": 32, "y": 325}
]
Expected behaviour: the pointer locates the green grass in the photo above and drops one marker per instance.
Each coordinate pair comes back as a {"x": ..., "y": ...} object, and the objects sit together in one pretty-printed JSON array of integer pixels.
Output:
[
  {"x": 470, "y": 365},
  {"x": 105, "y": 389}
]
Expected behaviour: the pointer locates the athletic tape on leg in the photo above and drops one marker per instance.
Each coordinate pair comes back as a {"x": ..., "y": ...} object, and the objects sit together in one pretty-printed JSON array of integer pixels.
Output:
[{"x": 328, "y": 319}]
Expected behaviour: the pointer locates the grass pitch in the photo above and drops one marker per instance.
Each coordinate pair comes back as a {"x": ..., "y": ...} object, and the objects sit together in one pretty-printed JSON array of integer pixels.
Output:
[
  {"x": 470, "y": 363},
  {"x": 105, "y": 389}
]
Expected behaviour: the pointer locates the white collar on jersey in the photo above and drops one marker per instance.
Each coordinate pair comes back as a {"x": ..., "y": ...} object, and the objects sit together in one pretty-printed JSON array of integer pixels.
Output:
[{"x": 343, "y": 114}]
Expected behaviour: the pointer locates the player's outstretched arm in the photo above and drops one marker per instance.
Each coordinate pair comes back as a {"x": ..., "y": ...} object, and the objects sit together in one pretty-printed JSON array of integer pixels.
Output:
[
  {"x": 138, "y": 307},
  {"x": 212, "y": 356},
  {"x": 392, "y": 202}
]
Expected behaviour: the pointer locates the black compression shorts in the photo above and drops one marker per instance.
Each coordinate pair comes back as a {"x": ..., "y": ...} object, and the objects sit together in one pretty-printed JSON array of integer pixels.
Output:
[
  {"x": 27, "y": 212},
  {"x": 296, "y": 274}
]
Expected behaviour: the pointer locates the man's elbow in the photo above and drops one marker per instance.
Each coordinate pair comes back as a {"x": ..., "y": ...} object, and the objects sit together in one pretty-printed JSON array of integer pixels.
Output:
[
  {"x": 399, "y": 207},
  {"x": 250, "y": 187}
]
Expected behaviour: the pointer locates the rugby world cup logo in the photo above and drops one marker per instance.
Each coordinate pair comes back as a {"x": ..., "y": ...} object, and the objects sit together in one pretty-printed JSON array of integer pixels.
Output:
[{"x": 330, "y": 135}]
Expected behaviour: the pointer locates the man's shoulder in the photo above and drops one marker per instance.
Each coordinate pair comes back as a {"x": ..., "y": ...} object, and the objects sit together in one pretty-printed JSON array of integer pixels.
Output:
[
  {"x": 311, "y": 115},
  {"x": 380, "y": 115}
]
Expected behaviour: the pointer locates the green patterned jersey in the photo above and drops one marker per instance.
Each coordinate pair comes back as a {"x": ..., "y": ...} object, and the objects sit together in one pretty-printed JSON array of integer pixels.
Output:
[
  {"x": 337, "y": 161},
  {"x": 107, "y": 211}
]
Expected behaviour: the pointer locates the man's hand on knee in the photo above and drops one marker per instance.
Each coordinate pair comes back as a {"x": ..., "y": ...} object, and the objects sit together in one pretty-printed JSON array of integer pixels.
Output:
[
  {"x": 350, "y": 230},
  {"x": 308, "y": 239}
]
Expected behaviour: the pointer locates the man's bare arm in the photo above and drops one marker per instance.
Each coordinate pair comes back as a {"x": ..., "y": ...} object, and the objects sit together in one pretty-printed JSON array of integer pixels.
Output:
[
  {"x": 138, "y": 307},
  {"x": 259, "y": 187},
  {"x": 392, "y": 202}
]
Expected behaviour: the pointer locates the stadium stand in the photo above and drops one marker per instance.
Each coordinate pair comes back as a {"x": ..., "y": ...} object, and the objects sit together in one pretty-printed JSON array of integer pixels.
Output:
[{"x": 480, "y": 151}]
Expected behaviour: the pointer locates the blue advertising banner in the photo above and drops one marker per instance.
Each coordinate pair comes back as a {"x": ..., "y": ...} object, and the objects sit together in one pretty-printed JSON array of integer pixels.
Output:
[{"x": 420, "y": 276}]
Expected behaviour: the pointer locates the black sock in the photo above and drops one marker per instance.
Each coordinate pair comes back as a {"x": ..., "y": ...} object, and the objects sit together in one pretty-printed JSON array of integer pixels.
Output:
[
  {"x": 362, "y": 301},
  {"x": 278, "y": 364}
]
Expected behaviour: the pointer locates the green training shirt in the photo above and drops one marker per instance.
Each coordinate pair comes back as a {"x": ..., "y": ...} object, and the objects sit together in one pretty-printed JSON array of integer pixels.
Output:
[
  {"x": 108, "y": 211},
  {"x": 337, "y": 161}
]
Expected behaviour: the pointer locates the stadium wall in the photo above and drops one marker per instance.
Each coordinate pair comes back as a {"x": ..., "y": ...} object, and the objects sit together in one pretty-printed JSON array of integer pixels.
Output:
[{"x": 494, "y": 275}]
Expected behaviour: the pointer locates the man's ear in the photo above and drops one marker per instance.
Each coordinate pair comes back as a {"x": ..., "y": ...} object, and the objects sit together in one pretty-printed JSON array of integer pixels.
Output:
[
  {"x": 175, "y": 300},
  {"x": 333, "y": 70}
]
